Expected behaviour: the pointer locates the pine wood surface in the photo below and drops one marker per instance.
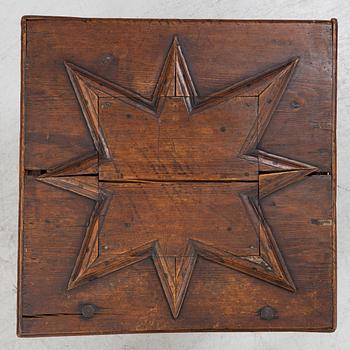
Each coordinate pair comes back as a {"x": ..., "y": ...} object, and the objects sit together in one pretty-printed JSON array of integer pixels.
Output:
[{"x": 177, "y": 175}]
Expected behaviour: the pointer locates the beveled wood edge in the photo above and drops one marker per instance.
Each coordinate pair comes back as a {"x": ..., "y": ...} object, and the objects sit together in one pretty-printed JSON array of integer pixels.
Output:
[
  {"x": 228, "y": 20},
  {"x": 21, "y": 179},
  {"x": 334, "y": 168},
  {"x": 181, "y": 330}
]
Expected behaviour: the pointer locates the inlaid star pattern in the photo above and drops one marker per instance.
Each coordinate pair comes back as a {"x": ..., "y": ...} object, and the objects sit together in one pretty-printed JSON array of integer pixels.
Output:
[{"x": 275, "y": 173}]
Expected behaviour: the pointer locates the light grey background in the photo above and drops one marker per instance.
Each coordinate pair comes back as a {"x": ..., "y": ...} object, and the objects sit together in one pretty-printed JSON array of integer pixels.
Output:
[{"x": 10, "y": 14}]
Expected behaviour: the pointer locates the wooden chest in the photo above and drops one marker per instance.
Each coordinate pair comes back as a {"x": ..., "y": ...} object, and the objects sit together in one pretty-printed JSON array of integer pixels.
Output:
[{"x": 177, "y": 175}]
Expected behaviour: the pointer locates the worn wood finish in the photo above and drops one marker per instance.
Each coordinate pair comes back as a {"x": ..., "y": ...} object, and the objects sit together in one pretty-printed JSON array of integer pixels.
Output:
[{"x": 165, "y": 173}]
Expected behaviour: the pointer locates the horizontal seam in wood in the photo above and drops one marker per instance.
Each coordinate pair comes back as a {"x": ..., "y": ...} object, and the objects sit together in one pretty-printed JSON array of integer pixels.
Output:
[{"x": 178, "y": 181}]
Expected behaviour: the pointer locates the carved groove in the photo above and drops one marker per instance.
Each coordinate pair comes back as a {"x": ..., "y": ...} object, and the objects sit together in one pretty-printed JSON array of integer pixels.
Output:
[
  {"x": 73, "y": 184},
  {"x": 175, "y": 80}
]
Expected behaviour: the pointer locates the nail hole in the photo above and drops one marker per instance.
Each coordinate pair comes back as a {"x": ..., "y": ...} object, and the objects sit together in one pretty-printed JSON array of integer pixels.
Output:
[
  {"x": 268, "y": 313},
  {"x": 105, "y": 105},
  {"x": 295, "y": 105},
  {"x": 107, "y": 59},
  {"x": 87, "y": 310}
]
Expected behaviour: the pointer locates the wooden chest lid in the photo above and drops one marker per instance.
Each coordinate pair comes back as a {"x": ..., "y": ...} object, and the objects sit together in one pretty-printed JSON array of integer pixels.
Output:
[{"x": 177, "y": 175}]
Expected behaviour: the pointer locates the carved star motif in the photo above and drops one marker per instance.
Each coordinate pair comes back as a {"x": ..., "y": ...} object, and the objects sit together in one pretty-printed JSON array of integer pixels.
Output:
[{"x": 275, "y": 173}]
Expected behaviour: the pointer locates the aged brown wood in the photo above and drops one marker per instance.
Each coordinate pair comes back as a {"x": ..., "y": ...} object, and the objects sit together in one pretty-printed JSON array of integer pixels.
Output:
[{"x": 177, "y": 176}]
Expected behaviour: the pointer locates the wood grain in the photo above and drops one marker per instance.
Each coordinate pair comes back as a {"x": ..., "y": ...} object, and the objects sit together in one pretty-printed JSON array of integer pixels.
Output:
[
  {"x": 176, "y": 181},
  {"x": 116, "y": 58},
  {"x": 132, "y": 299}
]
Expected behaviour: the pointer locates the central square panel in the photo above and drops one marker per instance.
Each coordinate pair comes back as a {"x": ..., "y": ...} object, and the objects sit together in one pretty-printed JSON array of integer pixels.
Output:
[{"x": 176, "y": 182}]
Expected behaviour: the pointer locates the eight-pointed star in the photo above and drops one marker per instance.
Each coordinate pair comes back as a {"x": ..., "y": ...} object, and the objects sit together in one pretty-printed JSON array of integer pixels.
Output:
[{"x": 268, "y": 265}]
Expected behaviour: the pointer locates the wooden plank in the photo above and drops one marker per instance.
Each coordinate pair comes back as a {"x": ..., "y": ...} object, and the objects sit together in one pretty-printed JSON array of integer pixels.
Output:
[
  {"x": 132, "y": 299},
  {"x": 304, "y": 109}
]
